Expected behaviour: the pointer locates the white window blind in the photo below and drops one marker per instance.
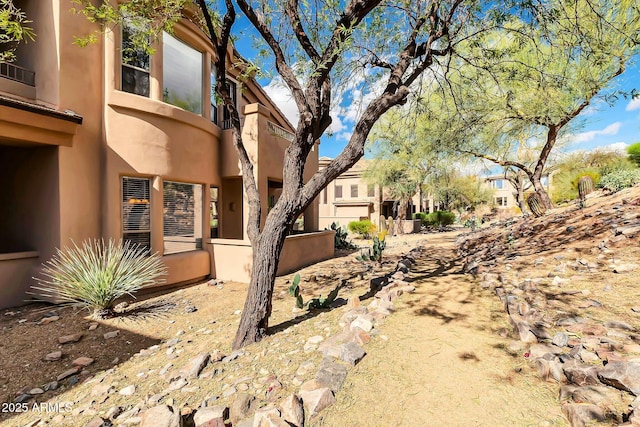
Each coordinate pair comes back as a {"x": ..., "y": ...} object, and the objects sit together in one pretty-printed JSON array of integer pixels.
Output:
[
  {"x": 136, "y": 211},
  {"x": 182, "y": 217}
]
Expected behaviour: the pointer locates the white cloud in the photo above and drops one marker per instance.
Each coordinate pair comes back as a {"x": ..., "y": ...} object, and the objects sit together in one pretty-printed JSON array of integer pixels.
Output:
[
  {"x": 634, "y": 104},
  {"x": 281, "y": 95},
  {"x": 620, "y": 147},
  {"x": 581, "y": 137},
  {"x": 345, "y": 136}
]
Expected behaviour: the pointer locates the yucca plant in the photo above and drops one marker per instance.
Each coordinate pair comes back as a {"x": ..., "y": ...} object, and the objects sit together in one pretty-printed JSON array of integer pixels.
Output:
[{"x": 95, "y": 275}]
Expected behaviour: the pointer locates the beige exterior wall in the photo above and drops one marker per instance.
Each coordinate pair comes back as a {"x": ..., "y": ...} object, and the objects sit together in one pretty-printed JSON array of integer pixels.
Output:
[
  {"x": 66, "y": 177},
  {"x": 503, "y": 196}
]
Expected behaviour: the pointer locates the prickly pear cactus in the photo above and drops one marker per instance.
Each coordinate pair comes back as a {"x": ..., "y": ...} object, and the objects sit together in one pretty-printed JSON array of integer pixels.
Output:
[
  {"x": 535, "y": 205},
  {"x": 294, "y": 291}
]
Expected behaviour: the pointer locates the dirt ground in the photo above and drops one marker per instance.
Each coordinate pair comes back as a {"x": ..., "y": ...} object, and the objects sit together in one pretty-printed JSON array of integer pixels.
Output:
[{"x": 445, "y": 357}]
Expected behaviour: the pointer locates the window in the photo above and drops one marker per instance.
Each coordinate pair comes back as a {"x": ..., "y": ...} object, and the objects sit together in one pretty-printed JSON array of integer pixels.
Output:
[
  {"x": 371, "y": 190},
  {"x": 181, "y": 74},
  {"x": 136, "y": 218},
  {"x": 226, "y": 116},
  {"x": 214, "y": 223},
  {"x": 501, "y": 201},
  {"x": 354, "y": 191},
  {"x": 182, "y": 216},
  {"x": 497, "y": 183},
  {"x": 338, "y": 191},
  {"x": 135, "y": 65},
  {"x": 212, "y": 96}
]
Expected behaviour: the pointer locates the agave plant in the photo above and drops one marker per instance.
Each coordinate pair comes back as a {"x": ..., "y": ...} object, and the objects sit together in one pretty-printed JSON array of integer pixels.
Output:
[{"x": 95, "y": 275}]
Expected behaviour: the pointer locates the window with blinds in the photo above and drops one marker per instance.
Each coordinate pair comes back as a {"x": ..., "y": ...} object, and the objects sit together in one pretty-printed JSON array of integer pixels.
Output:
[
  {"x": 182, "y": 217},
  {"x": 338, "y": 191},
  {"x": 136, "y": 211}
]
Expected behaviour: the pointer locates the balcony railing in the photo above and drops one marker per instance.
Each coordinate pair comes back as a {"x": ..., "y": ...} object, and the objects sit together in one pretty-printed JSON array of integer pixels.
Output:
[{"x": 17, "y": 73}]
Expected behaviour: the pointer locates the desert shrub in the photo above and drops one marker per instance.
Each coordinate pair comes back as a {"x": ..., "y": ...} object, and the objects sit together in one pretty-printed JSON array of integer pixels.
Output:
[
  {"x": 634, "y": 153},
  {"x": 363, "y": 228},
  {"x": 441, "y": 218},
  {"x": 421, "y": 216},
  {"x": 95, "y": 275},
  {"x": 622, "y": 178}
]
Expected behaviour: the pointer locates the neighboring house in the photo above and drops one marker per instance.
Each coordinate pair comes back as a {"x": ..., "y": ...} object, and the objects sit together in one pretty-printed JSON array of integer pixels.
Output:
[
  {"x": 504, "y": 191},
  {"x": 101, "y": 142},
  {"x": 350, "y": 198}
]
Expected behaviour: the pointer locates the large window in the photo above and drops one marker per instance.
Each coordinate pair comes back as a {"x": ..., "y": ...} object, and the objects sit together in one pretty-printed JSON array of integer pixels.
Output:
[
  {"x": 501, "y": 201},
  {"x": 136, "y": 218},
  {"x": 226, "y": 116},
  {"x": 338, "y": 191},
  {"x": 182, "y": 217},
  {"x": 498, "y": 184},
  {"x": 135, "y": 65},
  {"x": 354, "y": 191},
  {"x": 181, "y": 74}
]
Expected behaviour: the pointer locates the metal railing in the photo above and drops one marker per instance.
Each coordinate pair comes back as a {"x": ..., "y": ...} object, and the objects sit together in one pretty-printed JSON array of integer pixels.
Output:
[{"x": 17, "y": 73}]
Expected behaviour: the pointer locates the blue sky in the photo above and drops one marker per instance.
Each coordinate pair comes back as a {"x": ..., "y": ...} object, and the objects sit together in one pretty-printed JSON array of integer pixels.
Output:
[{"x": 615, "y": 126}]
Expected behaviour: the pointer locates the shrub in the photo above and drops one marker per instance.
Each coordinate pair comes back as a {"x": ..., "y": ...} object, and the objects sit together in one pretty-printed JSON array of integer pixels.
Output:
[
  {"x": 95, "y": 275},
  {"x": 622, "y": 178},
  {"x": 634, "y": 153},
  {"x": 440, "y": 218},
  {"x": 363, "y": 228},
  {"x": 421, "y": 216}
]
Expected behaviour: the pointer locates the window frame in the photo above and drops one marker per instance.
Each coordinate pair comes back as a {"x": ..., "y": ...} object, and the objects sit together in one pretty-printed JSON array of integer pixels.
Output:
[
  {"x": 198, "y": 233},
  {"x": 353, "y": 191},
  {"x": 124, "y": 64},
  {"x": 201, "y": 68},
  {"x": 337, "y": 191},
  {"x": 124, "y": 230}
]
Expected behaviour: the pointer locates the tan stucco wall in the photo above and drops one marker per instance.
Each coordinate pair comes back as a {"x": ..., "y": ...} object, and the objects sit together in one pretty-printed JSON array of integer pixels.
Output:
[
  {"x": 16, "y": 272},
  {"x": 233, "y": 258}
]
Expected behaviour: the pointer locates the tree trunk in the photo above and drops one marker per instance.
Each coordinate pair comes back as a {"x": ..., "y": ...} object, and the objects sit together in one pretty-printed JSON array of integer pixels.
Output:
[
  {"x": 519, "y": 195},
  {"x": 257, "y": 308}
]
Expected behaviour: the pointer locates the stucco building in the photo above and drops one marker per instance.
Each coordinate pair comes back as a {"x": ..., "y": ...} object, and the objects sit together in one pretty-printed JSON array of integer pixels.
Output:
[
  {"x": 105, "y": 141},
  {"x": 350, "y": 198}
]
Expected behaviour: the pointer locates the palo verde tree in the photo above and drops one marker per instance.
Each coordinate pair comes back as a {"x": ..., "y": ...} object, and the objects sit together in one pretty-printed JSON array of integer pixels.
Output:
[
  {"x": 536, "y": 81},
  {"x": 14, "y": 29}
]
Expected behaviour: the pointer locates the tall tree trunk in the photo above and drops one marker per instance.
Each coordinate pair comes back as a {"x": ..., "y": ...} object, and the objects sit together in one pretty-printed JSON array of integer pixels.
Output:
[
  {"x": 542, "y": 192},
  {"x": 266, "y": 255},
  {"x": 519, "y": 195}
]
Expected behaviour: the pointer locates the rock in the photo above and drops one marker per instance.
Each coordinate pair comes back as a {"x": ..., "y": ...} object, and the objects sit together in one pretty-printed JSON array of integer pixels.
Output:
[
  {"x": 602, "y": 396},
  {"x": 273, "y": 420},
  {"x": 48, "y": 319},
  {"x": 35, "y": 391},
  {"x": 331, "y": 374},
  {"x": 67, "y": 373},
  {"x": 53, "y": 356},
  {"x": 111, "y": 334},
  {"x": 190, "y": 309},
  {"x": 113, "y": 412},
  {"x": 98, "y": 422},
  {"x": 619, "y": 325},
  {"x": 315, "y": 340},
  {"x": 622, "y": 375},
  {"x": 70, "y": 338},
  {"x": 362, "y": 323},
  {"x": 212, "y": 416},
  {"x": 560, "y": 339},
  {"x": 292, "y": 410},
  {"x": 353, "y": 302},
  {"x": 352, "y": 353},
  {"x": 581, "y": 375},
  {"x": 193, "y": 368},
  {"x": 243, "y": 407},
  {"x": 581, "y": 414},
  {"x": 161, "y": 416},
  {"x": 588, "y": 329},
  {"x": 625, "y": 268},
  {"x": 53, "y": 385},
  {"x": 233, "y": 356},
  {"x": 263, "y": 413},
  {"x": 82, "y": 361},
  {"x": 317, "y": 400},
  {"x": 93, "y": 326},
  {"x": 128, "y": 390}
]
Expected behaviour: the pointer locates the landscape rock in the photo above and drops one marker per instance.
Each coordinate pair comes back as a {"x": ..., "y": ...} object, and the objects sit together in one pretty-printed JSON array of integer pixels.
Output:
[
  {"x": 582, "y": 414},
  {"x": 98, "y": 422},
  {"x": 82, "y": 361},
  {"x": 66, "y": 339},
  {"x": 363, "y": 323},
  {"x": 53, "y": 356},
  {"x": 263, "y": 413},
  {"x": 560, "y": 339},
  {"x": 581, "y": 375},
  {"x": 67, "y": 373},
  {"x": 193, "y": 368},
  {"x": 622, "y": 375},
  {"x": 292, "y": 410},
  {"x": 128, "y": 390},
  {"x": 352, "y": 353},
  {"x": 111, "y": 334},
  {"x": 161, "y": 416},
  {"x": 242, "y": 407},
  {"x": 331, "y": 374},
  {"x": 211, "y": 416},
  {"x": 317, "y": 400}
]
